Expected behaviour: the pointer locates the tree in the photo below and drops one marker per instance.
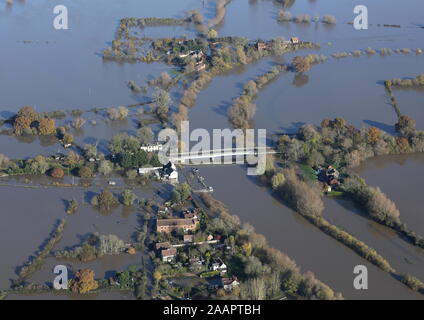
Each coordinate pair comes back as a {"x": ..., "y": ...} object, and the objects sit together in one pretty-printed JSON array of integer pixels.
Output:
[
  {"x": 105, "y": 167},
  {"x": 122, "y": 142},
  {"x": 90, "y": 151},
  {"x": 84, "y": 281},
  {"x": 145, "y": 135},
  {"x": 301, "y": 64},
  {"x": 212, "y": 34},
  {"x": 68, "y": 138},
  {"x": 278, "y": 180},
  {"x": 46, "y": 126},
  {"x": 175, "y": 196},
  {"x": 157, "y": 276},
  {"x": 85, "y": 172},
  {"x": 405, "y": 125},
  {"x": 21, "y": 124},
  {"x": 110, "y": 244},
  {"x": 72, "y": 206},
  {"x": 373, "y": 135},
  {"x": 184, "y": 190},
  {"x": 106, "y": 200},
  {"x": 57, "y": 173},
  {"x": 247, "y": 248},
  {"x": 250, "y": 88},
  {"x": 28, "y": 112},
  {"x": 128, "y": 197},
  {"x": 78, "y": 123}
]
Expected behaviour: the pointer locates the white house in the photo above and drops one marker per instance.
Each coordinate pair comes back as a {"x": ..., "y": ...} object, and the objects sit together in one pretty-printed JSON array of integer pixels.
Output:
[
  {"x": 219, "y": 266},
  {"x": 151, "y": 147},
  {"x": 230, "y": 283}
]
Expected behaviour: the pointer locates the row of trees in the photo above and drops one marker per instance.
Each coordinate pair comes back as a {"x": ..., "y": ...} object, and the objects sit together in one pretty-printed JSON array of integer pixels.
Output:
[{"x": 265, "y": 272}]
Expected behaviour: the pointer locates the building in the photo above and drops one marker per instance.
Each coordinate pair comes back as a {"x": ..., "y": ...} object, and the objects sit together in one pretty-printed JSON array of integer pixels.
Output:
[
  {"x": 169, "y": 225},
  {"x": 218, "y": 266},
  {"x": 188, "y": 238},
  {"x": 261, "y": 45},
  {"x": 151, "y": 147},
  {"x": 200, "y": 66},
  {"x": 230, "y": 283},
  {"x": 162, "y": 245},
  {"x": 168, "y": 254},
  {"x": 168, "y": 172},
  {"x": 295, "y": 40},
  {"x": 191, "y": 215}
]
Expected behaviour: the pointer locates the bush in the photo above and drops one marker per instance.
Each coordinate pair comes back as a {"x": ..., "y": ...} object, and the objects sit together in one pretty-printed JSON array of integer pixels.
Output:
[
  {"x": 128, "y": 197},
  {"x": 104, "y": 201},
  {"x": 85, "y": 172},
  {"x": 329, "y": 19},
  {"x": 300, "y": 196},
  {"x": 57, "y": 173}
]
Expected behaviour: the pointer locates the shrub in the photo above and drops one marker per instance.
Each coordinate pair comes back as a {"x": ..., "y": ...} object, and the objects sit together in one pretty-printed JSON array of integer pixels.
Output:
[
  {"x": 301, "y": 64},
  {"x": 128, "y": 197},
  {"x": 105, "y": 200},
  {"x": 57, "y": 173},
  {"x": 84, "y": 281},
  {"x": 329, "y": 19},
  {"x": 105, "y": 167},
  {"x": 85, "y": 172},
  {"x": 46, "y": 126}
]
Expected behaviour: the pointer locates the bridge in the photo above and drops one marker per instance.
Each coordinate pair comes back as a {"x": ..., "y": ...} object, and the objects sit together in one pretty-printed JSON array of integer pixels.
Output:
[{"x": 216, "y": 154}]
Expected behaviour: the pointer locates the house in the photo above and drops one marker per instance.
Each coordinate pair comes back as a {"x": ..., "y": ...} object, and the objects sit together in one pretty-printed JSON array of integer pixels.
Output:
[
  {"x": 261, "y": 45},
  {"x": 295, "y": 40},
  {"x": 162, "y": 245},
  {"x": 191, "y": 215},
  {"x": 330, "y": 176},
  {"x": 218, "y": 266},
  {"x": 151, "y": 147},
  {"x": 188, "y": 238},
  {"x": 168, "y": 254},
  {"x": 169, "y": 225},
  {"x": 168, "y": 172},
  {"x": 200, "y": 66},
  {"x": 230, "y": 283},
  {"x": 198, "y": 54},
  {"x": 142, "y": 171}
]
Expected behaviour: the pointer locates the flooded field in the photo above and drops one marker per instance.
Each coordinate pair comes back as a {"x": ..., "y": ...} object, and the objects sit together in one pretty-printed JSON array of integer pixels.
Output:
[
  {"x": 287, "y": 231},
  {"x": 400, "y": 177}
]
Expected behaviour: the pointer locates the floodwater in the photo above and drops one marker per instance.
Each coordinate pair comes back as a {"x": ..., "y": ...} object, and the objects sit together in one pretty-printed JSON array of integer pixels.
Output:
[
  {"x": 400, "y": 177},
  {"x": 30, "y": 214},
  {"x": 63, "y": 69},
  {"x": 402, "y": 256},
  {"x": 287, "y": 231}
]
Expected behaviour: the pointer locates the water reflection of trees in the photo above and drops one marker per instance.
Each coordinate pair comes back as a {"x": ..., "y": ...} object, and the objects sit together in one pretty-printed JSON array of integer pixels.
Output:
[{"x": 300, "y": 80}]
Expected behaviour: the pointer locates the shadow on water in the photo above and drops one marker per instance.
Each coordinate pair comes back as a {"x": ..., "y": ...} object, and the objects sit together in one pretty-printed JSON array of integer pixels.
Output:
[{"x": 382, "y": 126}]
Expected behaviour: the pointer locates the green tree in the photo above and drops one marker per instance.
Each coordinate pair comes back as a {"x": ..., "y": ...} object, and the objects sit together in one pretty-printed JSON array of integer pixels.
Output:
[{"x": 128, "y": 197}]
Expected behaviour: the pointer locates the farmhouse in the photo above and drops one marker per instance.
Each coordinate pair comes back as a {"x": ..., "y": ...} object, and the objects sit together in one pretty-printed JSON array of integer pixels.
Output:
[
  {"x": 169, "y": 225},
  {"x": 168, "y": 254}
]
